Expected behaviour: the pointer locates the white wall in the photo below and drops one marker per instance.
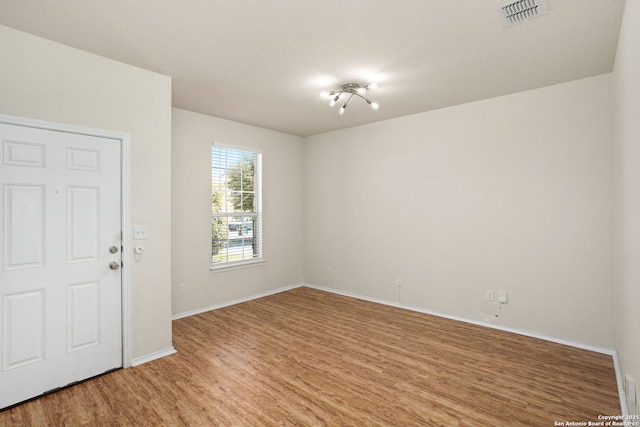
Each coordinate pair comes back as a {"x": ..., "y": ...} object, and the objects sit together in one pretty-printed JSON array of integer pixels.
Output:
[
  {"x": 626, "y": 107},
  {"x": 48, "y": 81},
  {"x": 191, "y": 212},
  {"x": 511, "y": 193}
]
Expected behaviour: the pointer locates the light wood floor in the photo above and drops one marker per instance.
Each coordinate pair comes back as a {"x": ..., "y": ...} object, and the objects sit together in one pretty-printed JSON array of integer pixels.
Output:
[{"x": 310, "y": 358}]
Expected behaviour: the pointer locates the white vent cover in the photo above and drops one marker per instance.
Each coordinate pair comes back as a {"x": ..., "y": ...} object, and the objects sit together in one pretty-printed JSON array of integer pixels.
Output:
[{"x": 519, "y": 11}]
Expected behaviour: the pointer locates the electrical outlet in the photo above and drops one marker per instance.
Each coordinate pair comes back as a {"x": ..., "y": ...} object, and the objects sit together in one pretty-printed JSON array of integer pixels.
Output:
[
  {"x": 329, "y": 269},
  {"x": 183, "y": 288},
  {"x": 502, "y": 297},
  {"x": 399, "y": 281},
  {"x": 490, "y": 295}
]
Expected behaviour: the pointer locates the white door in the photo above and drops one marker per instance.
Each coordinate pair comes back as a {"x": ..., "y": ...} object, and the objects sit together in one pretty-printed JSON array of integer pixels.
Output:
[{"x": 60, "y": 299}]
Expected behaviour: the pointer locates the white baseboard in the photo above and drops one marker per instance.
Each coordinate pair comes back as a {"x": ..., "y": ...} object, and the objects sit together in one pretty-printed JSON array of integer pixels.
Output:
[
  {"x": 621, "y": 394},
  {"x": 153, "y": 356},
  {"x": 233, "y": 302}
]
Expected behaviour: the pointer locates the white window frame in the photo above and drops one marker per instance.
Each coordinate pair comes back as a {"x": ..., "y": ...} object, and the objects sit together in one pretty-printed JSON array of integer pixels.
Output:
[{"x": 257, "y": 213}]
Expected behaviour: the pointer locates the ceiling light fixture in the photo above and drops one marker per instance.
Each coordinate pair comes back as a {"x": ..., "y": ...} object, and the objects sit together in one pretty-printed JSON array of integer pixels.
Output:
[{"x": 349, "y": 90}]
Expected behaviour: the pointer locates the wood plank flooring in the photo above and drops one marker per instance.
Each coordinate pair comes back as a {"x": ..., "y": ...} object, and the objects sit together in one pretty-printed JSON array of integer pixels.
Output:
[{"x": 311, "y": 358}]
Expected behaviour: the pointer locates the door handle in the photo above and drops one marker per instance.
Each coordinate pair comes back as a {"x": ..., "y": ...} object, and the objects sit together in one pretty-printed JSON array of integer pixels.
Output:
[{"x": 114, "y": 265}]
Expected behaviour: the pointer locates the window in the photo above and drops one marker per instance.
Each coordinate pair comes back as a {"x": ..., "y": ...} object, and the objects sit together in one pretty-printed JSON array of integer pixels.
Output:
[{"x": 236, "y": 217}]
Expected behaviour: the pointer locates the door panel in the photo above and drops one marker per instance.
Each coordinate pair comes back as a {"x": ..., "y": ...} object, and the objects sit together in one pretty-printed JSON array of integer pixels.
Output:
[
  {"x": 23, "y": 154},
  {"x": 83, "y": 215},
  {"x": 24, "y": 219},
  {"x": 61, "y": 309},
  {"x": 23, "y": 337},
  {"x": 83, "y": 321}
]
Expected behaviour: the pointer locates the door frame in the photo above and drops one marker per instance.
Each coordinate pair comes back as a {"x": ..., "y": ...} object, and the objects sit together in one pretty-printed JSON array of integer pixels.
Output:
[{"x": 125, "y": 141}]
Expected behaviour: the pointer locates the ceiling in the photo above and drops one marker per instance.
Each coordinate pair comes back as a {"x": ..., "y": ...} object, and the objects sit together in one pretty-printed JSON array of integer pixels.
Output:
[{"x": 265, "y": 63}]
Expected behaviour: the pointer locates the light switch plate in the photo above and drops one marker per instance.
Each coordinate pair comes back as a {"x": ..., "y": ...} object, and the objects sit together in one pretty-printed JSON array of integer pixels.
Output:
[
  {"x": 140, "y": 232},
  {"x": 489, "y": 295}
]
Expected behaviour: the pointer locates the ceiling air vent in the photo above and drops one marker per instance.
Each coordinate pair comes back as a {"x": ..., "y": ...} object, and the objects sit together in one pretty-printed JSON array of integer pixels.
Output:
[{"x": 519, "y": 11}]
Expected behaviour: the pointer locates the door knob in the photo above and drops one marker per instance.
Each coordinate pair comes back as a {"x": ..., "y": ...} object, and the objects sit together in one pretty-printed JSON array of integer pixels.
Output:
[
  {"x": 114, "y": 265},
  {"x": 113, "y": 249}
]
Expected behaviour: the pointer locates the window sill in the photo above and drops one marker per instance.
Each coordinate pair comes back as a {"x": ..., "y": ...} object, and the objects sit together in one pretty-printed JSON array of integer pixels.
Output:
[{"x": 236, "y": 265}]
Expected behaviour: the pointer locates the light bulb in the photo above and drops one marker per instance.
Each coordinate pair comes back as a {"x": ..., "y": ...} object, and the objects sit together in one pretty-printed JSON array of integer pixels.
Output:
[
  {"x": 375, "y": 105},
  {"x": 362, "y": 90},
  {"x": 372, "y": 85},
  {"x": 341, "y": 110},
  {"x": 334, "y": 100},
  {"x": 325, "y": 94}
]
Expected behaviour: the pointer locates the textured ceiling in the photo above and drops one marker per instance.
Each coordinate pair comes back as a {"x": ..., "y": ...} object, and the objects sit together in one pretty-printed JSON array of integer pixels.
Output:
[{"x": 265, "y": 62}]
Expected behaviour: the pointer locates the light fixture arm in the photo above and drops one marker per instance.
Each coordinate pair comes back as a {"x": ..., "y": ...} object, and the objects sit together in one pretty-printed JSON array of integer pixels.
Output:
[
  {"x": 351, "y": 89},
  {"x": 363, "y": 97},
  {"x": 344, "y": 107}
]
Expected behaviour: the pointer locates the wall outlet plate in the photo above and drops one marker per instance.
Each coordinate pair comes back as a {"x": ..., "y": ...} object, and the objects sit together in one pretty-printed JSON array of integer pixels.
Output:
[{"x": 502, "y": 297}]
